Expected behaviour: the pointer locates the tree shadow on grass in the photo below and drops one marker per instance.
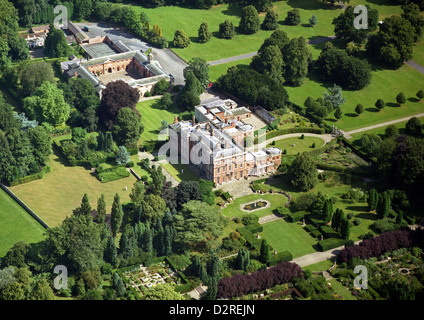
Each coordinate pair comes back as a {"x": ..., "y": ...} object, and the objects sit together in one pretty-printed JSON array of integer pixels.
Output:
[
  {"x": 233, "y": 10},
  {"x": 367, "y": 216},
  {"x": 352, "y": 115},
  {"x": 393, "y": 105},
  {"x": 372, "y": 109},
  {"x": 356, "y": 208},
  {"x": 413, "y": 100}
]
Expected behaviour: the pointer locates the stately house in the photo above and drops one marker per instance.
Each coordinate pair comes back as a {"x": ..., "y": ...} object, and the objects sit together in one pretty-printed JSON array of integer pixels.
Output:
[{"x": 214, "y": 141}]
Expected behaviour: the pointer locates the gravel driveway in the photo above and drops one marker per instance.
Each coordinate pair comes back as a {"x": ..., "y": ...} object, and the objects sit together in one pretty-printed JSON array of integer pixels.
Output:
[{"x": 170, "y": 62}]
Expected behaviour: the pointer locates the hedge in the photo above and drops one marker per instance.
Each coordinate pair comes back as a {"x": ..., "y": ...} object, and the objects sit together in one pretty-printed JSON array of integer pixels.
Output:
[
  {"x": 283, "y": 256},
  {"x": 329, "y": 232},
  {"x": 226, "y": 196},
  {"x": 316, "y": 233},
  {"x": 296, "y": 216},
  {"x": 310, "y": 228},
  {"x": 112, "y": 174},
  {"x": 32, "y": 177},
  {"x": 330, "y": 243},
  {"x": 280, "y": 132},
  {"x": 172, "y": 265},
  {"x": 250, "y": 238},
  {"x": 317, "y": 222},
  {"x": 255, "y": 227},
  {"x": 336, "y": 168}
]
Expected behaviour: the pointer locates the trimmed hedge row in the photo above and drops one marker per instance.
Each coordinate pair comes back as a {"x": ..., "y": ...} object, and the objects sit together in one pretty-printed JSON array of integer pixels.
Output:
[
  {"x": 330, "y": 243},
  {"x": 329, "y": 232},
  {"x": 279, "y": 132},
  {"x": 32, "y": 177},
  {"x": 296, "y": 216},
  {"x": 283, "y": 256},
  {"x": 336, "y": 168},
  {"x": 250, "y": 238},
  {"x": 112, "y": 174}
]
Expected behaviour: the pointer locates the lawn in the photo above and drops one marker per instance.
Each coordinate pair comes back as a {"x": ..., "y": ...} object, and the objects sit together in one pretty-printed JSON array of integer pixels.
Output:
[
  {"x": 301, "y": 145},
  {"x": 16, "y": 224},
  {"x": 283, "y": 235},
  {"x": 60, "y": 191},
  {"x": 385, "y": 84},
  {"x": 341, "y": 290},
  {"x": 171, "y": 18},
  {"x": 418, "y": 53},
  {"x": 180, "y": 172},
  {"x": 232, "y": 210},
  {"x": 220, "y": 69},
  {"x": 380, "y": 131}
]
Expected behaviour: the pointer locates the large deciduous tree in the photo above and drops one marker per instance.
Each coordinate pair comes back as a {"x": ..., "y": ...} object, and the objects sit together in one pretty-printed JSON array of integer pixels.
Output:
[
  {"x": 117, "y": 95},
  {"x": 46, "y": 104},
  {"x": 127, "y": 127},
  {"x": 303, "y": 173},
  {"x": 250, "y": 21}
]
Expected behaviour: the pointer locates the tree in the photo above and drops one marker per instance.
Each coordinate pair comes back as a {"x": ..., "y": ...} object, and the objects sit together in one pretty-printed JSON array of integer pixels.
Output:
[
  {"x": 411, "y": 12},
  {"x": 249, "y": 22},
  {"x": 157, "y": 179},
  {"x": 34, "y": 75},
  {"x": 338, "y": 216},
  {"x": 265, "y": 253},
  {"x": 344, "y": 25},
  {"x": 345, "y": 229},
  {"x": 203, "y": 33},
  {"x": 116, "y": 215},
  {"x": 41, "y": 142},
  {"x": 243, "y": 259},
  {"x": 200, "y": 69},
  {"x": 293, "y": 17},
  {"x": 46, "y": 104},
  {"x": 271, "y": 20},
  {"x": 188, "y": 97},
  {"x": 296, "y": 58},
  {"x": 270, "y": 62},
  {"x": 41, "y": 291},
  {"x": 117, "y": 95},
  {"x": 327, "y": 210},
  {"x": 163, "y": 292},
  {"x": 413, "y": 127},
  {"x": 393, "y": 43},
  {"x": 338, "y": 113},
  {"x": 303, "y": 172},
  {"x": 101, "y": 209},
  {"x": 420, "y": 94},
  {"x": 186, "y": 191},
  {"x": 359, "y": 109},
  {"x": 197, "y": 224},
  {"x": 226, "y": 30},
  {"x": 372, "y": 199},
  {"x": 123, "y": 156},
  {"x": 153, "y": 208},
  {"x": 127, "y": 128},
  {"x": 383, "y": 205},
  {"x": 55, "y": 45},
  {"x": 85, "y": 208},
  {"x": 391, "y": 131},
  {"x": 181, "y": 40},
  {"x": 334, "y": 94},
  {"x": 380, "y": 104},
  {"x": 400, "y": 98},
  {"x": 313, "y": 21}
]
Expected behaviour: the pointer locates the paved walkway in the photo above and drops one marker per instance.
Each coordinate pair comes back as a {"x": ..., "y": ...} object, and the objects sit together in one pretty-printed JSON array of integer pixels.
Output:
[
  {"x": 348, "y": 134},
  {"x": 316, "y": 257},
  {"x": 416, "y": 66}
]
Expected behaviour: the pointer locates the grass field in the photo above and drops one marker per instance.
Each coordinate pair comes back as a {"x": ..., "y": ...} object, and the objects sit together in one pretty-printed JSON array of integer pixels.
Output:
[
  {"x": 418, "y": 53},
  {"x": 16, "y": 224},
  {"x": 60, "y": 191},
  {"x": 171, "y": 18},
  {"x": 385, "y": 84},
  {"x": 301, "y": 145},
  {"x": 180, "y": 172},
  {"x": 233, "y": 209},
  {"x": 380, "y": 131},
  {"x": 283, "y": 235}
]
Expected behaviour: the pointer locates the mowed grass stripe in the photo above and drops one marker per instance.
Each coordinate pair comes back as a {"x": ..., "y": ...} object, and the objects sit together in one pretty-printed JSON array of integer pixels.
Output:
[{"x": 16, "y": 224}]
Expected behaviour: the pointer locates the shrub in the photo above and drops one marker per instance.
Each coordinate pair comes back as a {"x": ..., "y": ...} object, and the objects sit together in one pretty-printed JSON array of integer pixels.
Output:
[
  {"x": 330, "y": 243},
  {"x": 249, "y": 219},
  {"x": 297, "y": 216},
  {"x": 280, "y": 257}
]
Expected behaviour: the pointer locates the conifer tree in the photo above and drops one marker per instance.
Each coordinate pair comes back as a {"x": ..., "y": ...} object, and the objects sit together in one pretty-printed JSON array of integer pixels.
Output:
[
  {"x": 101, "y": 209},
  {"x": 265, "y": 254},
  {"x": 116, "y": 215}
]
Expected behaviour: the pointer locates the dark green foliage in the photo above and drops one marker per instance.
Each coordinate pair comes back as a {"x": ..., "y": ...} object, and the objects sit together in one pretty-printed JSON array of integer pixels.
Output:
[
  {"x": 327, "y": 210},
  {"x": 359, "y": 109},
  {"x": 249, "y": 22},
  {"x": 243, "y": 259},
  {"x": 372, "y": 199},
  {"x": 400, "y": 98},
  {"x": 116, "y": 215},
  {"x": 349, "y": 72},
  {"x": 392, "y": 45},
  {"x": 303, "y": 173},
  {"x": 127, "y": 127},
  {"x": 271, "y": 20},
  {"x": 383, "y": 205},
  {"x": 413, "y": 127},
  {"x": 226, "y": 30},
  {"x": 203, "y": 33},
  {"x": 181, "y": 40},
  {"x": 345, "y": 229},
  {"x": 265, "y": 253},
  {"x": 344, "y": 25},
  {"x": 293, "y": 17},
  {"x": 411, "y": 12},
  {"x": 55, "y": 45},
  {"x": 330, "y": 243},
  {"x": 254, "y": 88},
  {"x": 380, "y": 104}
]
